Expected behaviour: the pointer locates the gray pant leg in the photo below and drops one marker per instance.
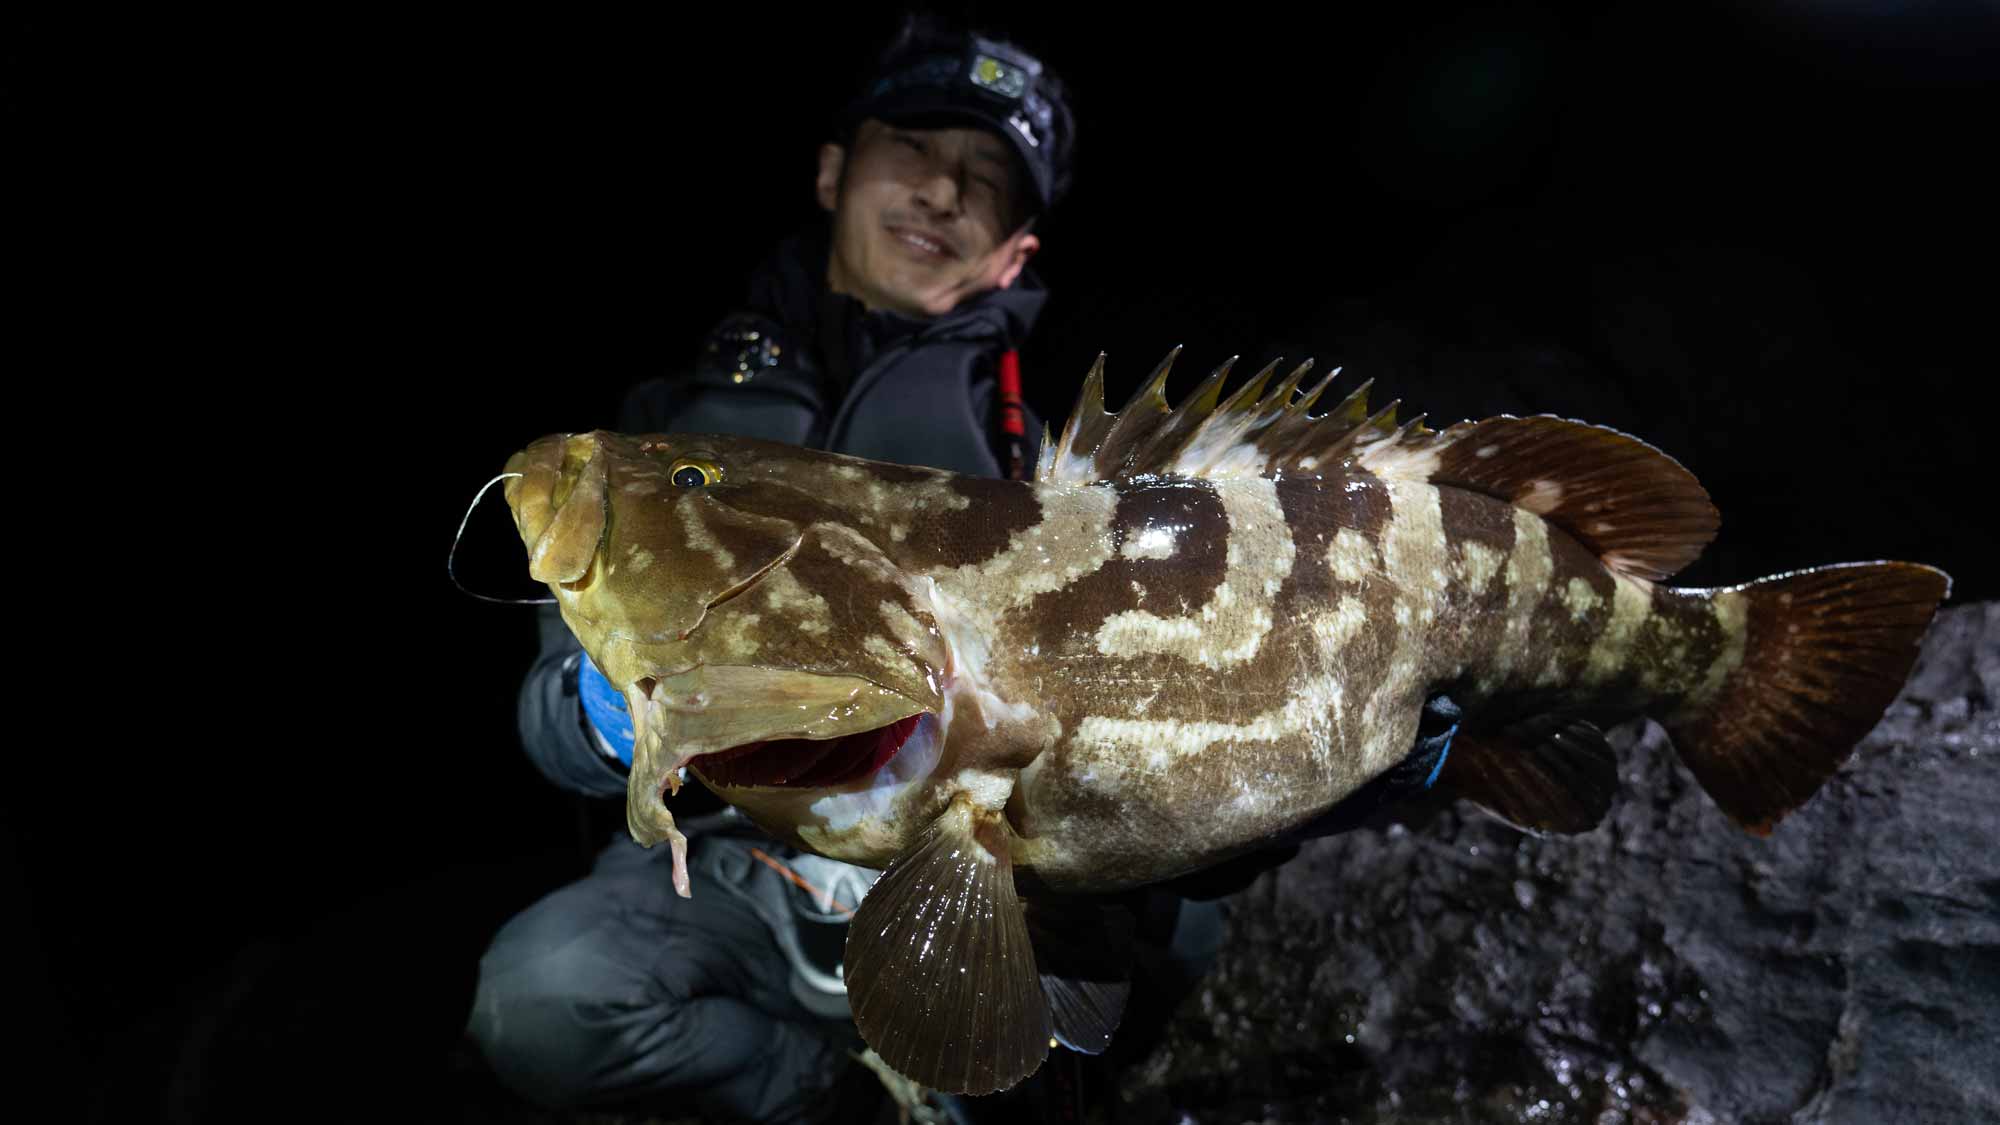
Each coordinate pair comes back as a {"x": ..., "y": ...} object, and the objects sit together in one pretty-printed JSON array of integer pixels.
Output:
[{"x": 615, "y": 990}]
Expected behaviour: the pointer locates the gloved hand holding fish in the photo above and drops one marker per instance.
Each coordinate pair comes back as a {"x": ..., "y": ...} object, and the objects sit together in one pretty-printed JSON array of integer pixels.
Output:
[{"x": 1194, "y": 633}]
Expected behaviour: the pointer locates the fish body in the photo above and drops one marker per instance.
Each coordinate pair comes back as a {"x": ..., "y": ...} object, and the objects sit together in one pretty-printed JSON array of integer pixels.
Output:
[{"x": 1196, "y": 632}]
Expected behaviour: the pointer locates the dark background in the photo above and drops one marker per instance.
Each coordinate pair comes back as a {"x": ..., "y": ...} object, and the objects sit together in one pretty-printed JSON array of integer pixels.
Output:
[{"x": 310, "y": 283}]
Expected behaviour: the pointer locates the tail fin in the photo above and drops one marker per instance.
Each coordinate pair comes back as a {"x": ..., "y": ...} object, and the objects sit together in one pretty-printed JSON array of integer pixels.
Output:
[{"x": 1825, "y": 652}]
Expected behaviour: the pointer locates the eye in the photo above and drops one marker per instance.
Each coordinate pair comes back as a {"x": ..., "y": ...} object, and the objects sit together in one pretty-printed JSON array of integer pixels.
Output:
[{"x": 691, "y": 473}]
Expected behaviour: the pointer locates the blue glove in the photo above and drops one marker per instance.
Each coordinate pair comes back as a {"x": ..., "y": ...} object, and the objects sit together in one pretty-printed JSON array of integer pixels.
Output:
[{"x": 604, "y": 706}]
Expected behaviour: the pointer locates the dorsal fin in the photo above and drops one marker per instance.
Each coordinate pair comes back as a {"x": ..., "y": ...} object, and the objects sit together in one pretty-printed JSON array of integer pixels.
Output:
[
  {"x": 1252, "y": 433},
  {"x": 1636, "y": 507}
]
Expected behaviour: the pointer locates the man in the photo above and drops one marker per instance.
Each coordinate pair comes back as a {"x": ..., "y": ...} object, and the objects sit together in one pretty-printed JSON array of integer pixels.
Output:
[{"x": 887, "y": 334}]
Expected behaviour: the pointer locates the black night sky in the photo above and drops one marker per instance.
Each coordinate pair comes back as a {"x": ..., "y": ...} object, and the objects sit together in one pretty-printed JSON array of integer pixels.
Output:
[{"x": 358, "y": 263}]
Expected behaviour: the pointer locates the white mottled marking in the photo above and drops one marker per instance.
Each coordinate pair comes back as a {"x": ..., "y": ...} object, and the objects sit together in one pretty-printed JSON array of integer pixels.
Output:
[
  {"x": 1529, "y": 566},
  {"x": 1580, "y": 599},
  {"x": 1393, "y": 460},
  {"x": 1477, "y": 564},
  {"x": 1413, "y": 542},
  {"x": 695, "y": 529},
  {"x": 1541, "y": 497},
  {"x": 908, "y": 631},
  {"x": 1416, "y": 554},
  {"x": 1351, "y": 555},
  {"x": 1152, "y": 543},
  {"x": 1072, "y": 539},
  {"x": 1631, "y": 603},
  {"x": 1332, "y": 631},
  {"x": 882, "y": 650},
  {"x": 800, "y": 608},
  {"x": 1732, "y": 612}
]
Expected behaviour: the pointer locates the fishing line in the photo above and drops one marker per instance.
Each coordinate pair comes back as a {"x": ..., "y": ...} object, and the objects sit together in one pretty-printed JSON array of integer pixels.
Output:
[{"x": 451, "y": 560}]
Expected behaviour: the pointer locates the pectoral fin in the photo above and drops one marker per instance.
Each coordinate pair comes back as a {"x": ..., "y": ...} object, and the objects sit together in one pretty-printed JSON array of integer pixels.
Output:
[
  {"x": 1083, "y": 952},
  {"x": 1552, "y": 773},
  {"x": 940, "y": 971}
]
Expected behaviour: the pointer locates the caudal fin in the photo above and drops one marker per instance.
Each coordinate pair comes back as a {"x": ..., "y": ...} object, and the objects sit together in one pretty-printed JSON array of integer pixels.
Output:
[{"x": 1825, "y": 651}]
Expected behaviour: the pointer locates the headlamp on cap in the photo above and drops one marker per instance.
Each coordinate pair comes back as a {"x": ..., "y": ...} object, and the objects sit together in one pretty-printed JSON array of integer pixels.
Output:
[{"x": 989, "y": 73}]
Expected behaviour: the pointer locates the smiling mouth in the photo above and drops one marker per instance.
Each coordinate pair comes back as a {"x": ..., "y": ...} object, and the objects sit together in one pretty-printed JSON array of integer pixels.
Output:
[
  {"x": 806, "y": 763},
  {"x": 927, "y": 245}
]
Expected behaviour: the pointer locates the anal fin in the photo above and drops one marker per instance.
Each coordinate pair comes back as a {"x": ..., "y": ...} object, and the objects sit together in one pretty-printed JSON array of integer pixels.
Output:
[
  {"x": 1083, "y": 953},
  {"x": 1551, "y": 773},
  {"x": 939, "y": 966}
]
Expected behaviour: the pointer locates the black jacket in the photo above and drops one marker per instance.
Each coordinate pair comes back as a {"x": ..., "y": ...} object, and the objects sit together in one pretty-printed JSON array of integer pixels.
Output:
[{"x": 802, "y": 365}]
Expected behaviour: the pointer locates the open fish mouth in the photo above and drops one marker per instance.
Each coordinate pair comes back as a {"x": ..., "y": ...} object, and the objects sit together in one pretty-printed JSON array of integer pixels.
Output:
[
  {"x": 765, "y": 726},
  {"x": 806, "y": 763}
]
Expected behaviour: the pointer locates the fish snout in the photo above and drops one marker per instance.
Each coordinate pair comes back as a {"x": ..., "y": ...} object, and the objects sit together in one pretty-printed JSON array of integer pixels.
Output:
[{"x": 559, "y": 504}]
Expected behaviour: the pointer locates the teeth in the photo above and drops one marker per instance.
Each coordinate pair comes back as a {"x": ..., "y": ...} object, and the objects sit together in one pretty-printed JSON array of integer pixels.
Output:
[{"x": 922, "y": 243}]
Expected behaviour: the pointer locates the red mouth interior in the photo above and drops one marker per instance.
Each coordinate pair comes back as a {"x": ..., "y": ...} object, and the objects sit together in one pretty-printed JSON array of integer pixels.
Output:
[{"x": 806, "y": 763}]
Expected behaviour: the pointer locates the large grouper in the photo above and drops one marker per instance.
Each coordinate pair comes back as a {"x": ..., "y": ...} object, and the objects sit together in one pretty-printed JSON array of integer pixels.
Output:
[{"x": 1194, "y": 633}]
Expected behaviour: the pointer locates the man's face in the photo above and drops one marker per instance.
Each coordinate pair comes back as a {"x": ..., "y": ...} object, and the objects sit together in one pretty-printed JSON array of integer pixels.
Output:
[{"x": 923, "y": 218}]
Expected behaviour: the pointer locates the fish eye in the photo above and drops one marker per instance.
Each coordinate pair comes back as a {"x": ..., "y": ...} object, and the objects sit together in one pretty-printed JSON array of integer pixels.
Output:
[{"x": 691, "y": 473}]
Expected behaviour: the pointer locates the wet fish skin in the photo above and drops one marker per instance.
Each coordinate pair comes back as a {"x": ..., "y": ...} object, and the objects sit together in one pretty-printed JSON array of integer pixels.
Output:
[{"x": 1196, "y": 631}]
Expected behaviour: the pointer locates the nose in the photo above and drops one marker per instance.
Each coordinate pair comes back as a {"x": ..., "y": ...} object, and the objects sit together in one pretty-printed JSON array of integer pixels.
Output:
[{"x": 941, "y": 186}]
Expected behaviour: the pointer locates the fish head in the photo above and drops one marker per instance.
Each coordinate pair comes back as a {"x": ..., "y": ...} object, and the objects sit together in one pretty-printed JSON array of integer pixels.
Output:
[{"x": 735, "y": 591}]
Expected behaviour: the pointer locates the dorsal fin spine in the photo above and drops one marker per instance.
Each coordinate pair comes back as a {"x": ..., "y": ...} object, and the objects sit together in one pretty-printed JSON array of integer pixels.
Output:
[
  {"x": 1132, "y": 425},
  {"x": 1306, "y": 401},
  {"x": 1046, "y": 462},
  {"x": 1154, "y": 390},
  {"x": 1369, "y": 430},
  {"x": 1316, "y": 433},
  {"x": 1064, "y": 462},
  {"x": 1219, "y": 431},
  {"x": 1278, "y": 403},
  {"x": 1164, "y": 446}
]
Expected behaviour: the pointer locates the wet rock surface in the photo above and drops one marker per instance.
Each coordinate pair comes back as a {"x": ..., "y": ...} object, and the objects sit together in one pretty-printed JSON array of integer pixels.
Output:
[{"x": 1664, "y": 967}]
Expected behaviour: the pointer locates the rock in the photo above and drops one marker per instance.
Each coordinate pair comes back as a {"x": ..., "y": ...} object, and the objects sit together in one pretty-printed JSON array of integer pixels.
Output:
[{"x": 1664, "y": 967}]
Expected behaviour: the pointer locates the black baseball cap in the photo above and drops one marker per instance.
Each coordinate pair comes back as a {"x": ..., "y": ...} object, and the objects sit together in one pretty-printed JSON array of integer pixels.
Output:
[{"x": 982, "y": 82}]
